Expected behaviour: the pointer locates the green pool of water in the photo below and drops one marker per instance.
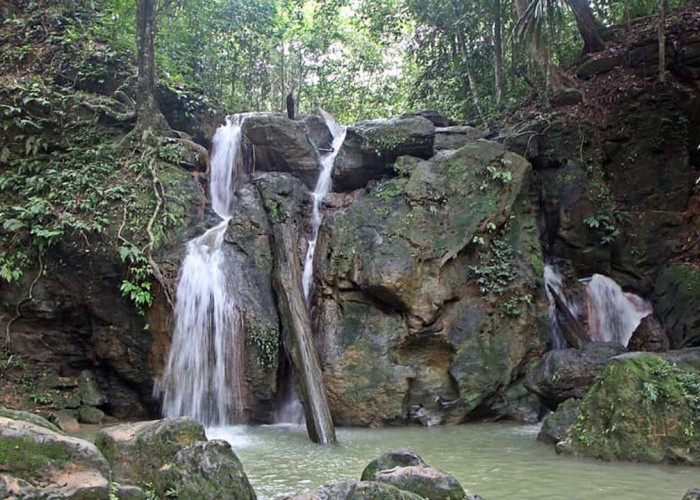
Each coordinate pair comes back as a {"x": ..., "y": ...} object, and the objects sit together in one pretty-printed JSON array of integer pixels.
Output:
[{"x": 497, "y": 461}]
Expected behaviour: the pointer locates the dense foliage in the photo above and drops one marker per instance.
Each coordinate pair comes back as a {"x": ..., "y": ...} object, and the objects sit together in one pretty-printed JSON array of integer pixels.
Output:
[{"x": 360, "y": 58}]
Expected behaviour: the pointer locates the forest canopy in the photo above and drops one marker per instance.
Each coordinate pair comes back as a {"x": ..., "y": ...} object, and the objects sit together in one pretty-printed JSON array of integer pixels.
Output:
[{"x": 368, "y": 58}]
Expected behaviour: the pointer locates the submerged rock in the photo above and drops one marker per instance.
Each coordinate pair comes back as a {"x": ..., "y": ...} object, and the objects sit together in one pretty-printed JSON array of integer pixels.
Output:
[
  {"x": 174, "y": 454},
  {"x": 428, "y": 482},
  {"x": 407, "y": 471},
  {"x": 37, "y": 462},
  {"x": 643, "y": 409},
  {"x": 569, "y": 373},
  {"x": 401, "y": 457},
  {"x": 355, "y": 490}
]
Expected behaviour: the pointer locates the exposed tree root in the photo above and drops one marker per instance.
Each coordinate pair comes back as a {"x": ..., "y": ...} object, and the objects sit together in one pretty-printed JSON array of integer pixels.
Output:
[{"x": 18, "y": 308}]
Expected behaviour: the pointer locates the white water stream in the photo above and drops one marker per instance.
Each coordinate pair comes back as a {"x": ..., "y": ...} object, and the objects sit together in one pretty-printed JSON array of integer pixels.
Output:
[
  {"x": 202, "y": 376},
  {"x": 323, "y": 186},
  {"x": 608, "y": 313}
]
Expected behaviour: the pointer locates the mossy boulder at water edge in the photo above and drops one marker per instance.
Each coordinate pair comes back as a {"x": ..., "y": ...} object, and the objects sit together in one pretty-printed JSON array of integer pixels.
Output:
[
  {"x": 37, "y": 462},
  {"x": 174, "y": 455},
  {"x": 355, "y": 490},
  {"x": 643, "y": 409},
  {"x": 429, "y": 290}
]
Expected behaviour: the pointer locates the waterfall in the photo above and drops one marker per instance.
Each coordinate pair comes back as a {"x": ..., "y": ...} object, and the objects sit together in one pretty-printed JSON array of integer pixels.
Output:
[
  {"x": 607, "y": 312},
  {"x": 202, "y": 376},
  {"x": 613, "y": 315},
  {"x": 323, "y": 186},
  {"x": 554, "y": 283}
]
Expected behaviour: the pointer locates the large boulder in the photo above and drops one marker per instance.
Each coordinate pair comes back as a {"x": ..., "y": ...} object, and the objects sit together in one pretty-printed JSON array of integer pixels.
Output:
[
  {"x": 429, "y": 290},
  {"x": 692, "y": 494},
  {"x": 274, "y": 143},
  {"x": 570, "y": 373},
  {"x": 643, "y": 409},
  {"x": 174, "y": 454},
  {"x": 208, "y": 471},
  {"x": 37, "y": 462},
  {"x": 456, "y": 137},
  {"x": 371, "y": 147}
]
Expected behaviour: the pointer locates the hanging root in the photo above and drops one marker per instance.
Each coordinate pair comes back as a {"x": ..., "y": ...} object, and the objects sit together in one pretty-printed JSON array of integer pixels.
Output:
[
  {"x": 18, "y": 308},
  {"x": 159, "y": 191}
]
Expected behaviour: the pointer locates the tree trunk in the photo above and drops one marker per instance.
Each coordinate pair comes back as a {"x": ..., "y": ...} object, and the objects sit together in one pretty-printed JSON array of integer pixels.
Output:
[
  {"x": 498, "y": 47},
  {"x": 470, "y": 76},
  {"x": 298, "y": 335},
  {"x": 588, "y": 26},
  {"x": 662, "y": 41},
  {"x": 148, "y": 114}
]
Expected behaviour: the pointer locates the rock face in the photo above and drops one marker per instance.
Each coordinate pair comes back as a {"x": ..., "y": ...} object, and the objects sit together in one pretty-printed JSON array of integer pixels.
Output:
[
  {"x": 649, "y": 336},
  {"x": 371, "y": 147},
  {"x": 274, "y": 143},
  {"x": 429, "y": 289},
  {"x": 570, "y": 373},
  {"x": 37, "y": 462},
  {"x": 643, "y": 409},
  {"x": 676, "y": 295},
  {"x": 173, "y": 454},
  {"x": 456, "y": 137}
]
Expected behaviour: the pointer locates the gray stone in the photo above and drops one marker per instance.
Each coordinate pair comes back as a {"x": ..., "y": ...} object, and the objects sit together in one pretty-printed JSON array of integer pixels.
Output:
[
  {"x": 371, "y": 147},
  {"x": 90, "y": 393},
  {"x": 456, "y": 137},
  {"x": 569, "y": 373},
  {"x": 355, "y": 490},
  {"x": 401, "y": 457},
  {"x": 90, "y": 415},
  {"x": 557, "y": 424},
  {"x": 428, "y": 482}
]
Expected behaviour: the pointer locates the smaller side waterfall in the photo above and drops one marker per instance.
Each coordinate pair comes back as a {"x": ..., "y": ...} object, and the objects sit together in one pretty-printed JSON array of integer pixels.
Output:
[
  {"x": 554, "y": 284},
  {"x": 226, "y": 149},
  {"x": 323, "y": 186},
  {"x": 613, "y": 315},
  {"x": 600, "y": 310}
]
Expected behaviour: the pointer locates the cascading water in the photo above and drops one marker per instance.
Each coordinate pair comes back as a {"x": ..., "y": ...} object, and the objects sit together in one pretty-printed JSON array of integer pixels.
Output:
[
  {"x": 202, "y": 376},
  {"x": 554, "y": 282},
  {"x": 323, "y": 185},
  {"x": 609, "y": 313},
  {"x": 613, "y": 315},
  {"x": 291, "y": 409}
]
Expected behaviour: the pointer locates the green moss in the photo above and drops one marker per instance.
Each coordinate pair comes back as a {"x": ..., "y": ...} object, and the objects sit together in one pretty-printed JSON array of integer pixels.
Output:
[
  {"x": 265, "y": 340},
  {"x": 24, "y": 456},
  {"x": 643, "y": 409}
]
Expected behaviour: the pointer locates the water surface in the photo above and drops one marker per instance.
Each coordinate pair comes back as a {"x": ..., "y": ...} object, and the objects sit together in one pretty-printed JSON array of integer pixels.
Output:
[{"x": 497, "y": 461}]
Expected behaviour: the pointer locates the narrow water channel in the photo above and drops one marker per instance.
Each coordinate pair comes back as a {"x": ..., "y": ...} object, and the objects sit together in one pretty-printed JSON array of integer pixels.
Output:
[{"x": 497, "y": 461}]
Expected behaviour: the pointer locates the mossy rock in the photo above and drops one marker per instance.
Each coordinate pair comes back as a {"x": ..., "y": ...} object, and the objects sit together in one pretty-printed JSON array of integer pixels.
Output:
[
  {"x": 137, "y": 451},
  {"x": 28, "y": 417},
  {"x": 41, "y": 463},
  {"x": 206, "y": 471},
  {"x": 557, "y": 424},
  {"x": 643, "y": 409}
]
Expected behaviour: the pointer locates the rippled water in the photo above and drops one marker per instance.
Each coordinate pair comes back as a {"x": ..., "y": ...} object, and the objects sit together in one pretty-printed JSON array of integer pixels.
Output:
[{"x": 497, "y": 461}]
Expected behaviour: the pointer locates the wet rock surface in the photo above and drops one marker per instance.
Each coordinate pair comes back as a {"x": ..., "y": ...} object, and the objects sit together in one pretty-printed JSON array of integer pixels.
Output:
[{"x": 570, "y": 373}]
